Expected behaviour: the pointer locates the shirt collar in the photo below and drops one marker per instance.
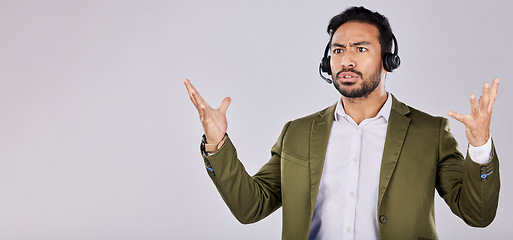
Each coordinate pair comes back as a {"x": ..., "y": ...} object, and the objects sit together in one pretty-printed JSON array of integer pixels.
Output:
[{"x": 383, "y": 112}]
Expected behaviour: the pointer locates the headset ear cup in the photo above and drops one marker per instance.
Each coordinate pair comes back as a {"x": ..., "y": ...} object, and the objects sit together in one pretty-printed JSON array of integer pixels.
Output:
[
  {"x": 391, "y": 61},
  {"x": 325, "y": 65},
  {"x": 397, "y": 61},
  {"x": 386, "y": 62}
]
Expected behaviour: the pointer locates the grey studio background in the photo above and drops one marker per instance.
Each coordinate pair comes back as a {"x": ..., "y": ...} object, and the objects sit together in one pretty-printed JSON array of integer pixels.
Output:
[{"x": 99, "y": 140}]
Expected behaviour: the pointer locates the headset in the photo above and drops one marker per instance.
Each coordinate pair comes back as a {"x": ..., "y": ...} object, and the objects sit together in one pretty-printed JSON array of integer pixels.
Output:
[{"x": 391, "y": 61}]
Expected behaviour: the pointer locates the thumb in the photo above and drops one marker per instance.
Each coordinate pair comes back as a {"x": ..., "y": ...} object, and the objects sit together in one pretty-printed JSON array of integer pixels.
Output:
[
  {"x": 225, "y": 104},
  {"x": 459, "y": 117}
]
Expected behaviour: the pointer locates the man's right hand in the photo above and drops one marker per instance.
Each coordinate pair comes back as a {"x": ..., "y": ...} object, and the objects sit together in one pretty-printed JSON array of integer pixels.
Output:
[{"x": 213, "y": 120}]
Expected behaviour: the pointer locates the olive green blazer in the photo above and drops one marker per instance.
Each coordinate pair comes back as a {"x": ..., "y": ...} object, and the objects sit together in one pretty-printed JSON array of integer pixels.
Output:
[{"x": 420, "y": 155}]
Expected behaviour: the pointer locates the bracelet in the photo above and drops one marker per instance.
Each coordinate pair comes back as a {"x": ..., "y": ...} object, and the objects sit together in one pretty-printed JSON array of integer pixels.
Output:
[{"x": 213, "y": 147}]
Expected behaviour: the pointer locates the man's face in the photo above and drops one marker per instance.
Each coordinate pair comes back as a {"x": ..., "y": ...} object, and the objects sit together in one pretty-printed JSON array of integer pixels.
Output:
[{"x": 356, "y": 59}]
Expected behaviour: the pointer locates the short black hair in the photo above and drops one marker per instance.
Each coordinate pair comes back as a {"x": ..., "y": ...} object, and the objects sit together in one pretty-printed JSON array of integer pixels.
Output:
[{"x": 364, "y": 15}]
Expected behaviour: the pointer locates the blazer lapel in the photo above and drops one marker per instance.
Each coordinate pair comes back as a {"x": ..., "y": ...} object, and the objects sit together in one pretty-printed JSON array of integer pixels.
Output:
[
  {"x": 396, "y": 132},
  {"x": 319, "y": 136}
]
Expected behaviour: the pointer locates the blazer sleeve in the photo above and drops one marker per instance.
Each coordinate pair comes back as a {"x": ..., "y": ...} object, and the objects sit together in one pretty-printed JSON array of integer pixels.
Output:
[
  {"x": 461, "y": 184},
  {"x": 250, "y": 198}
]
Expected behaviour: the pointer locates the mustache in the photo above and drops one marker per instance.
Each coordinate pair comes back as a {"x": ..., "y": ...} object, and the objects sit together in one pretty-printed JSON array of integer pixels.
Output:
[{"x": 349, "y": 70}]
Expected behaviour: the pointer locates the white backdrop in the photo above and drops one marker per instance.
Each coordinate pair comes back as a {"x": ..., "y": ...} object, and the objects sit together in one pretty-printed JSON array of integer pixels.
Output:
[{"x": 98, "y": 138}]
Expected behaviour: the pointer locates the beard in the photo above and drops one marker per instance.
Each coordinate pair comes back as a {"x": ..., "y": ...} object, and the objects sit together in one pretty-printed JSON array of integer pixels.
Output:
[{"x": 368, "y": 86}]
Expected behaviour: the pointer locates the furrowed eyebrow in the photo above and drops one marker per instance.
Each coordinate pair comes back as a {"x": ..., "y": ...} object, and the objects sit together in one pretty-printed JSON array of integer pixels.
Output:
[
  {"x": 351, "y": 44},
  {"x": 359, "y": 43},
  {"x": 338, "y": 45}
]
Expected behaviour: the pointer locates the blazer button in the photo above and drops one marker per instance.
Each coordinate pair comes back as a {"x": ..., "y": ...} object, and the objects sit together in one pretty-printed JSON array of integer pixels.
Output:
[{"x": 382, "y": 219}]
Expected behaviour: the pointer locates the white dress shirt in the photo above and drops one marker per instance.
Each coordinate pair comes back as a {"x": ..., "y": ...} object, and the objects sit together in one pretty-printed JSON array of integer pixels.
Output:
[{"x": 346, "y": 206}]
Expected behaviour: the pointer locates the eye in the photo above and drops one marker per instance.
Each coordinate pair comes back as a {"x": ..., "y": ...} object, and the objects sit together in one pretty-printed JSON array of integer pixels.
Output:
[
  {"x": 361, "y": 49},
  {"x": 337, "y": 51}
]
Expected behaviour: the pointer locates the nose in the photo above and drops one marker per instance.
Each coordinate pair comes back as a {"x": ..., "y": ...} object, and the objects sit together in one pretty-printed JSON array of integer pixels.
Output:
[{"x": 348, "y": 60}]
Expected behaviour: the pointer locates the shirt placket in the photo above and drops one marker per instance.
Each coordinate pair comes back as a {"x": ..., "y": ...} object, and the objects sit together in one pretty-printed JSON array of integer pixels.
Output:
[{"x": 354, "y": 175}]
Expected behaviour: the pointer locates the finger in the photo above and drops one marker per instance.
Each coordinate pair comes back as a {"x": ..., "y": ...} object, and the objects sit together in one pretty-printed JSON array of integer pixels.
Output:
[
  {"x": 203, "y": 111},
  {"x": 459, "y": 117},
  {"x": 474, "y": 107},
  {"x": 195, "y": 95},
  {"x": 484, "y": 100},
  {"x": 190, "y": 90},
  {"x": 495, "y": 86},
  {"x": 203, "y": 108},
  {"x": 493, "y": 94},
  {"x": 225, "y": 104},
  {"x": 188, "y": 85}
]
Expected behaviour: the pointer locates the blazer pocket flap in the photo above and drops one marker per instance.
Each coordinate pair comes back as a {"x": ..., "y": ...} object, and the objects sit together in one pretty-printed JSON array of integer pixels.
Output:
[{"x": 294, "y": 159}]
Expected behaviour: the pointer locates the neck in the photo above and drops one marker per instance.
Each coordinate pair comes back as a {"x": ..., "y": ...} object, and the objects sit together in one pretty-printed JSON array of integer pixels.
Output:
[{"x": 360, "y": 109}]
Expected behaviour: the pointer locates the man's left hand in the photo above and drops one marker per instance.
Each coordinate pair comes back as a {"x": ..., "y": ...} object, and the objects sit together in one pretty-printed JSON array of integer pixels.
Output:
[{"x": 477, "y": 123}]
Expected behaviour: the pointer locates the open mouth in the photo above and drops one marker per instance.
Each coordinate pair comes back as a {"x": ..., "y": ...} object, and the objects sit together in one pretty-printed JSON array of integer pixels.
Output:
[{"x": 348, "y": 77}]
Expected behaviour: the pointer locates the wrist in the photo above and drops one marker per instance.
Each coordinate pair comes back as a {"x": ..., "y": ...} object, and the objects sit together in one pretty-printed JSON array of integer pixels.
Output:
[
  {"x": 480, "y": 142},
  {"x": 211, "y": 148}
]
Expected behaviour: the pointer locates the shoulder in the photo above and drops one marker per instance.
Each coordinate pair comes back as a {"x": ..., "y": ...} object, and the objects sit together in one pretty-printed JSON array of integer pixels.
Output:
[
  {"x": 422, "y": 116},
  {"x": 327, "y": 113},
  {"x": 296, "y": 135},
  {"x": 301, "y": 128}
]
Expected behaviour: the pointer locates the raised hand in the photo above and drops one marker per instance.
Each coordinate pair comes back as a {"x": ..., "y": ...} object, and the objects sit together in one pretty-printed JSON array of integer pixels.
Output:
[
  {"x": 213, "y": 120},
  {"x": 477, "y": 123}
]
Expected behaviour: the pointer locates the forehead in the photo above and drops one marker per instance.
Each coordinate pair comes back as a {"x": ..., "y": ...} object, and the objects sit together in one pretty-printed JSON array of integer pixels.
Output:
[{"x": 356, "y": 31}]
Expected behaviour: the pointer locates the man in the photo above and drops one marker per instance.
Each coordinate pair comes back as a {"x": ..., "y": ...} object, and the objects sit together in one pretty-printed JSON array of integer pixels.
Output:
[{"x": 366, "y": 167}]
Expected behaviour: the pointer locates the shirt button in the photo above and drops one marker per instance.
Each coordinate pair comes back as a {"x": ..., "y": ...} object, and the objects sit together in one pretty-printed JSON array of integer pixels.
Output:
[
  {"x": 382, "y": 219},
  {"x": 351, "y": 194},
  {"x": 355, "y": 159},
  {"x": 348, "y": 229}
]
